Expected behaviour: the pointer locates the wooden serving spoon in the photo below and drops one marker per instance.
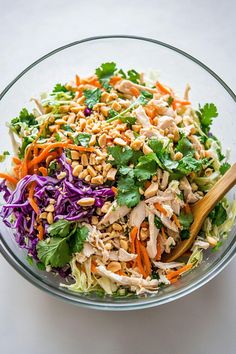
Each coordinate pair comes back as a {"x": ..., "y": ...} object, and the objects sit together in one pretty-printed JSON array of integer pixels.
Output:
[{"x": 200, "y": 211}]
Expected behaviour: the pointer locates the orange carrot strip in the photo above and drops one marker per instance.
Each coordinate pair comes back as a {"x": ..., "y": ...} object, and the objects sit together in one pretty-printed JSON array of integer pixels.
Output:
[
  {"x": 162, "y": 88},
  {"x": 176, "y": 220},
  {"x": 80, "y": 148},
  {"x": 45, "y": 152},
  {"x": 114, "y": 80},
  {"x": 146, "y": 259},
  {"x": 133, "y": 235},
  {"x": 174, "y": 105},
  {"x": 182, "y": 102},
  {"x": 135, "y": 92},
  {"x": 40, "y": 229},
  {"x": 150, "y": 111},
  {"x": 174, "y": 280},
  {"x": 77, "y": 80},
  {"x": 163, "y": 233},
  {"x": 43, "y": 170},
  {"x": 16, "y": 160},
  {"x": 158, "y": 255},
  {"x": 31, "y": 198},
  {"x": 8, "y": 178},
  {"x": 187, "y": 208},
  {"x": 114, "y": 190},
  {"x": 178, "y": 272},
  {"x": 93, "y": 267},
  {"x": 120, "y": 272},
  {"x": 138, "y": 259},
  {"x": 160, "y": 208}
]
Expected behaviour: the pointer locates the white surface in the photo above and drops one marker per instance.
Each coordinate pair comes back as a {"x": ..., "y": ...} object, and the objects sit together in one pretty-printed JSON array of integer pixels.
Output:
[{"x": 34, "y": 322}]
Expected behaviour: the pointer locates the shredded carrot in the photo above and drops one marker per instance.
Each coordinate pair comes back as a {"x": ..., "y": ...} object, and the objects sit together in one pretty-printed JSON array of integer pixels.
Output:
[
  {"x": 182, "y": 102},
  {"x": 120, "y": 272},
  {"x": 160, "y": 208},
  {"x": 133, "y": 235},
  {"x": 43, "y": 170},
  {"x": 91, "y": 81},
  {"x": 187, "y": 208},
  {"x": 147, "y": 184},
  {"x": 176, "y": 220},
  {"x": 114, "y": 190},
  {"x": 32, "y": 200},
  {"x": 146, "y": 259},
  {"x": 162, "y": 88},
  {"x": 174, "y": 280},
  {"x": 135, "y": 92},
  {"x": 16, "y": 160},
  {"x": 158, "y": 255},
  {"x": 163, "y": 234},
  {"x": 178, "y": 272},
  {"x": 9, "y": 178},
  {"x": 174, "y": 105},
  {"x": 138, "y": 259},
  {"x": 114, "y": 80},
  {"x": 77, "y": 80},
  {"x": 150, "y": 111},
  {"x": 145, "y": 224},
  {"x": 42, "y": 156},
  {"x": 16, "y": 171},
  {"x": 40, "y": 229},
  {"x": 93, "y": 267},
  {"x": 80, "y": 148}
]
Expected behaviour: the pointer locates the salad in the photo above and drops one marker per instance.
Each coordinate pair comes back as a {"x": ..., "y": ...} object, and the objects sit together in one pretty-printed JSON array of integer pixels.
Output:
[{"x": 105, "y": 171}]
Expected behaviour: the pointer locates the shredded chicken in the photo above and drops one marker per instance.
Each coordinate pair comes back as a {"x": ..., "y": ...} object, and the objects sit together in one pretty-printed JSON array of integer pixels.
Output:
[
  {"x": 130, "y": 281},
  {"x": 153, "y": 232},
  {"x": 114, "y": 213},
  {"x": 137, "y": 215}
]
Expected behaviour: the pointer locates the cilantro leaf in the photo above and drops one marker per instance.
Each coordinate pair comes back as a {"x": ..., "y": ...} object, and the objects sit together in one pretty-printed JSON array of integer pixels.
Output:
[
  {"x": 56, "y": 252},
  {"x": 105, "y": 72},
  {"x": 4, "y": 155},
  {"x": 147, "y": 94},
  {"x": 25, "y": 118},
  {"x": 163, "y": 156},
  {"x": 170, "y": 100},
  {"x": 128, "y": 192},
  {"x": 25, "y": 142},
  {"x": 184, "y": 146},
  {"x": 60, "y": 228},
  {"x": 112, "y": 113},
  {"x": 133, "y": 76},
  {"x": 184, "y": 234},
  {"x": 217, "y": 246},
  {"x": 92, "y": 97},
  {"x": 60, "y": 88},
  {"x": 83, "y": 139},
  {"x": 146, "y": 167},
  {"x": 218, "y": 215},
  {"x": 126, "y": 171},
  {"x": 157, "y": 222},
  {"x": 224, "y": 168},
  {"x": 206, "y": 114},
  {"x": 57, "y": 137},
  {"x": 128, "y": 120},
  {"x": 189, "y": 164},
  {"x": 185, "y": 220},
  {"x": 78, "y": 239},
  {"x": 67, "y": 128},
  {"x": 120, "y": 155}
]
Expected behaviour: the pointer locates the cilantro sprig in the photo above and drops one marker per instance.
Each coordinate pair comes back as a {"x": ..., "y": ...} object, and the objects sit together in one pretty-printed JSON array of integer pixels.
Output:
[
  {"x": 104, "y": 73},
  {"x": 65, "y": 238},
  {"x": 206, "y": 115},
  {"x": 92, "y": 97},
  {"x": 24, "y": 120}
]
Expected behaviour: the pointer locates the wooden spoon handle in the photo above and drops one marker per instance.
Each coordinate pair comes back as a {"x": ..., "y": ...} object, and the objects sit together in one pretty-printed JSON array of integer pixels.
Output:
[{"x": 204, "y": 206}]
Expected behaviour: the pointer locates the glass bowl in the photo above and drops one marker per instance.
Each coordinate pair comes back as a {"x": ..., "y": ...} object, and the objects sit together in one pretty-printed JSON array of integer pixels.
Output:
[{"x": 176, "y": 69}]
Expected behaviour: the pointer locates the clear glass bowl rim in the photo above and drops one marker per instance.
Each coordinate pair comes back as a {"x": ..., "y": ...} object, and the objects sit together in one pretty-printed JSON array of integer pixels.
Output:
[{"x": 39, "y": 283}]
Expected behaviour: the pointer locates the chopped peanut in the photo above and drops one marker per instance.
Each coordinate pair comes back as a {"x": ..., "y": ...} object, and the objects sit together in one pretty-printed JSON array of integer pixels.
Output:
[
  {"x": 86, "y": 202},
  {"x": 119, "y": 141}
]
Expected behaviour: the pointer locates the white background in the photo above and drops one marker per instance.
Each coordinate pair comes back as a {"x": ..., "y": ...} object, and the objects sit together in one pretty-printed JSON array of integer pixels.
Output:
[{"x": 34, "y": 322}]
